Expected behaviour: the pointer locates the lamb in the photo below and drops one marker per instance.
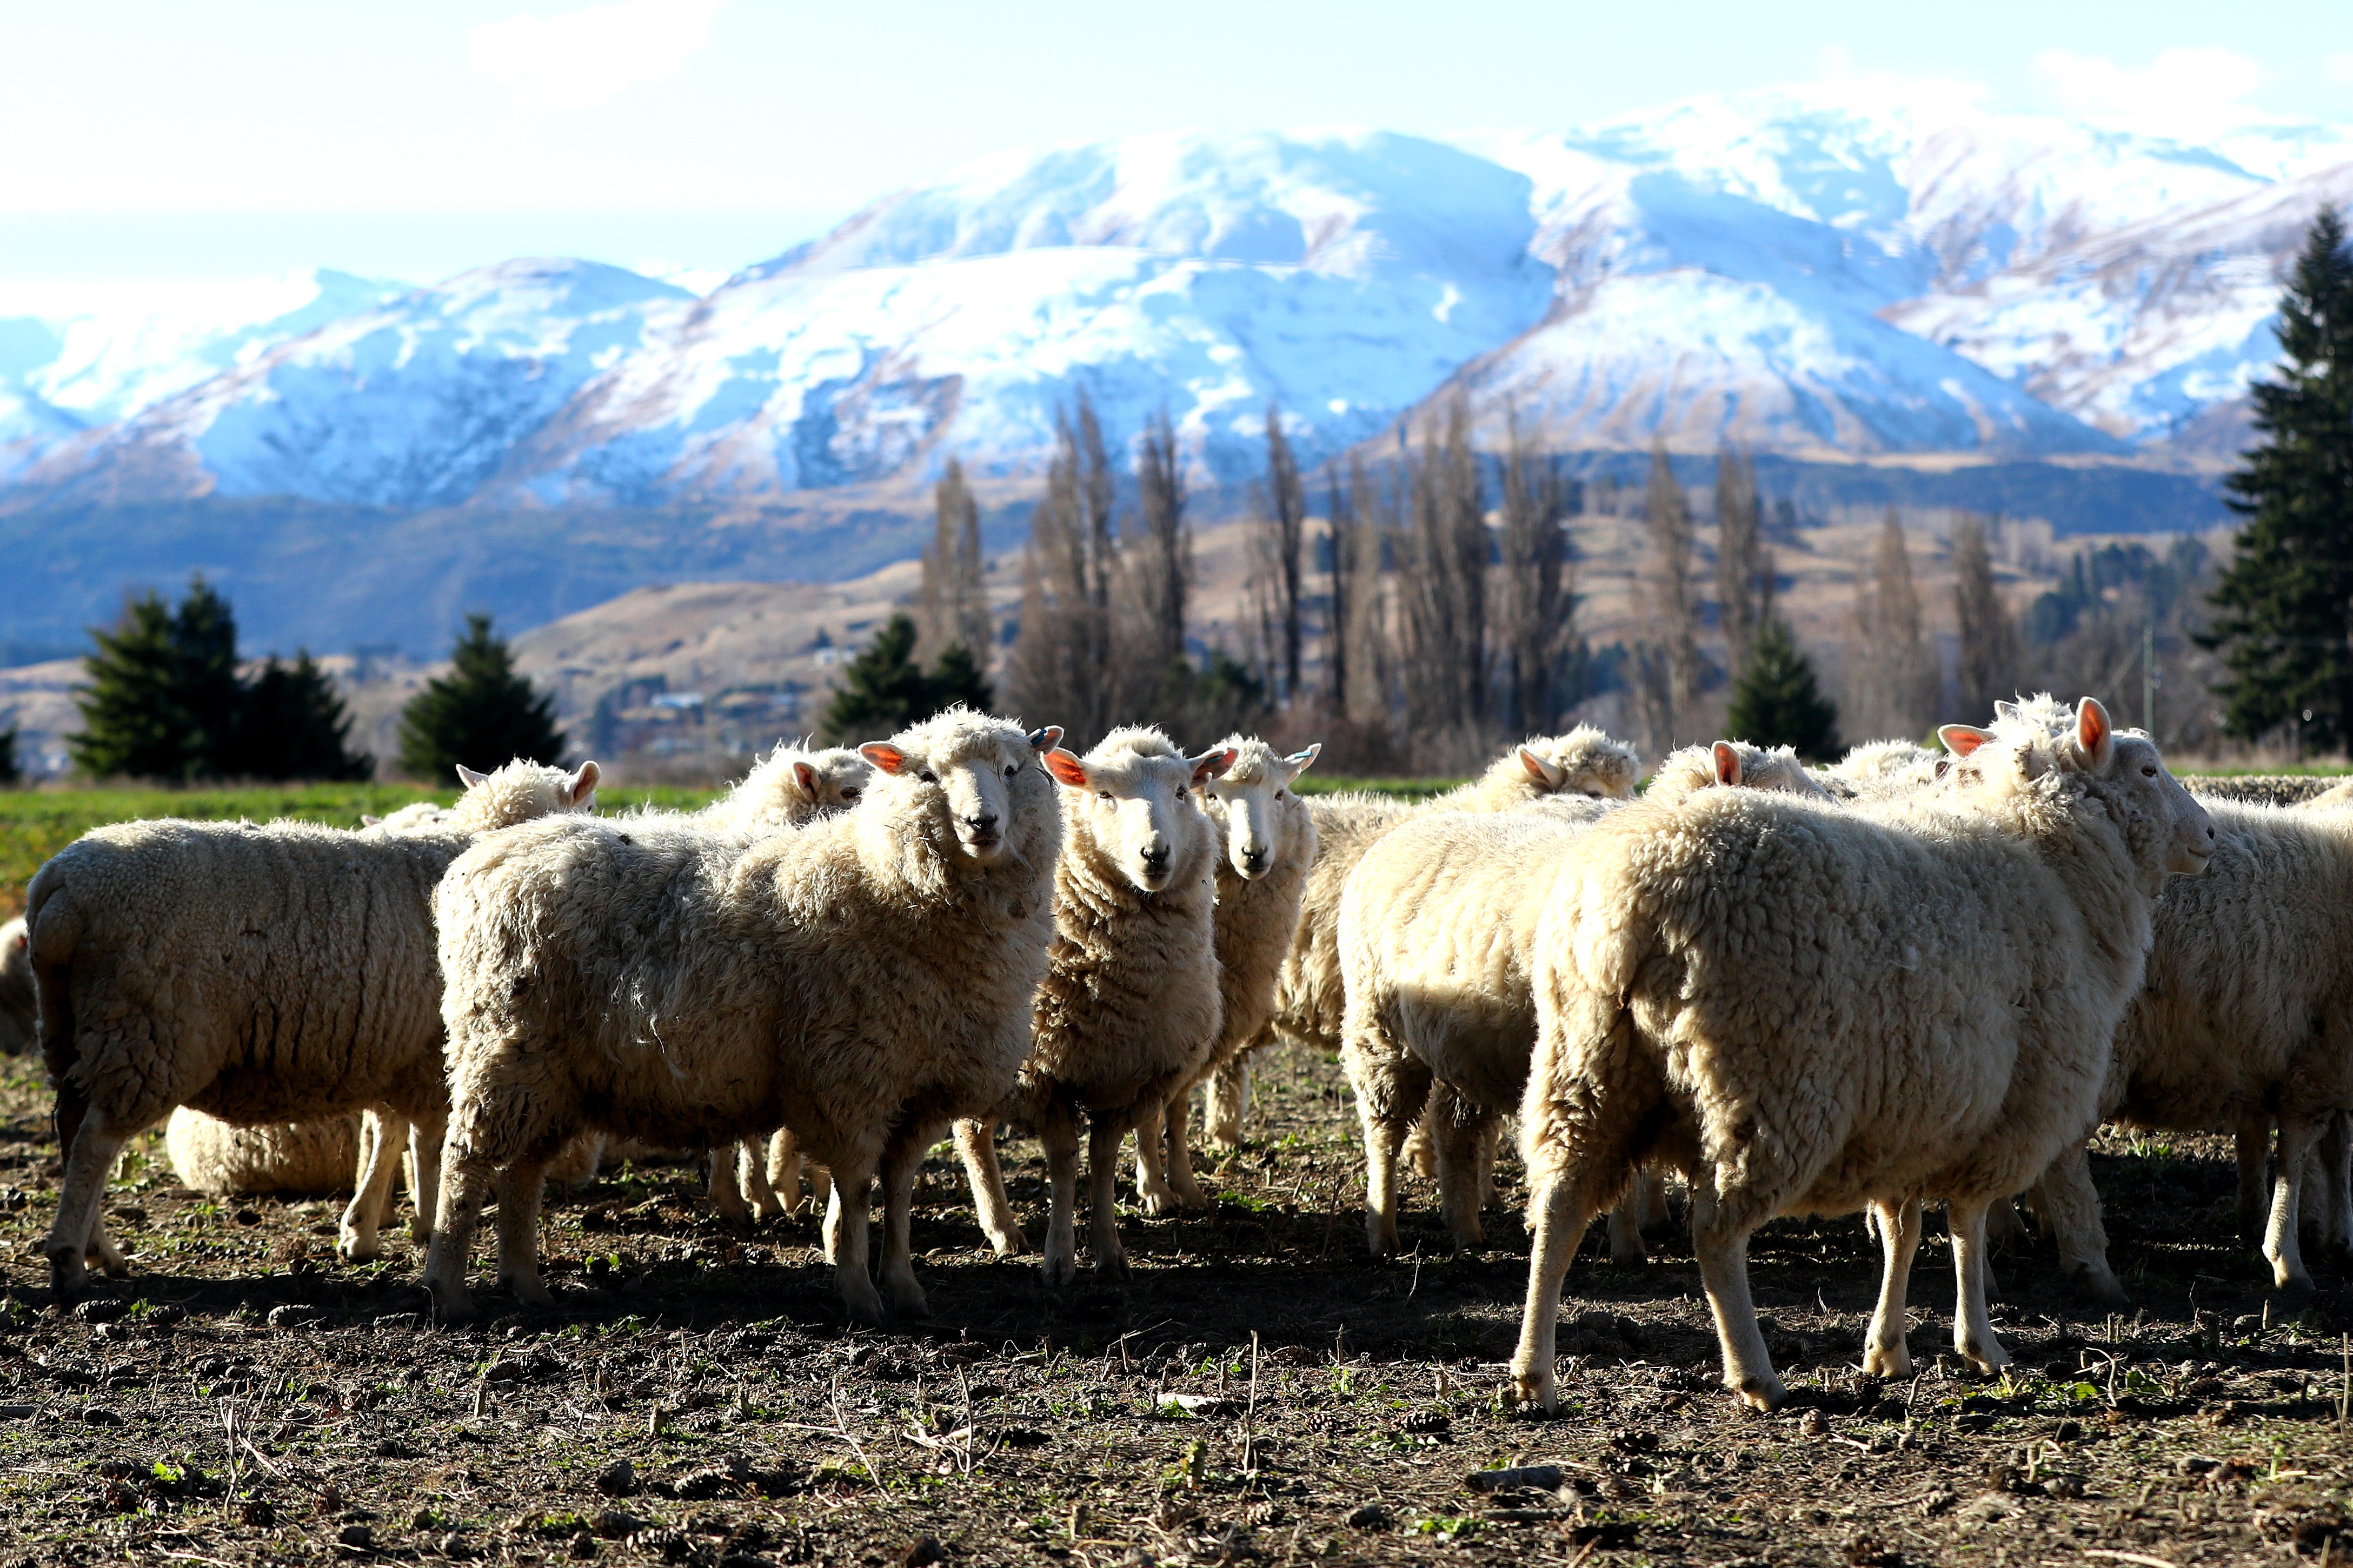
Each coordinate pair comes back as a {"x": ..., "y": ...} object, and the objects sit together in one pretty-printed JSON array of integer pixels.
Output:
[
  {"x": 19, "y": 1009},
  {"x": 258, "y": 973},
  {"x": 863, "y": 981},
  {"x": 1437, "y": 923},
  {"x": 1815, "y": 1008},
  {"x": 789, "y": 786},
  {"x": 1308, "y": 994},
  {"x": 313, "y": 1157},
  {"x": 1266, "y": 840},
  {"x": 2247, "y": 1017},
  {"x": 1129, "y": 1009}
]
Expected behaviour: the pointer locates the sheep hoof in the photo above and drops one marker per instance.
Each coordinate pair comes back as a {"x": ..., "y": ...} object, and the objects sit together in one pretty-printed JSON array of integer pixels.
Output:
[
  {"x": 1060, "y": 1272},
  {"x": 1765, "y": 1393},
  {"x": 420, "y": 1231},
  {"x": 1892, "y": 1360},
  {"x": 453, "y": 1306},
  {"x": 1987, "y": 1359},
  {"x": 1626, "y": 1257},
  {"x": 1535, "y": 1390},
  {"x": 67, "y": 1277},
  {"x": 1469, "y": 1237},
  {"x": 1157, "y": 1203},
  {"x": 2100, "y": 1287},
  {"x": 358, "y": 1249},
  {"x": 907, "y": 1302},
  {"x": 865, "y": 1306},
  {"x": 1008, "y": 1243},
  {"x": 1193, "y": 1198},
  {"x": 531, "y": 1295}
]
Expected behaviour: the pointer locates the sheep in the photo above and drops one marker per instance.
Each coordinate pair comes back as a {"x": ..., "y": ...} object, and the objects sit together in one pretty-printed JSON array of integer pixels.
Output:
[
  {"x": 1266, "y": 840},
  {"x": 258, "y": 973},
  {"x": 863, "y": 981},
  {"x": 1436, "y": 925},
  {"x": 1308, "y": 995},
  {"x": 2261, "y": 789},
  {"x": 1816, "y": 1008},
  {"x": 1128, "y": 1011},
  {"x": 19, "y": 1009},
  {"x": 2247, "y": 1017},
  {"x": 1882, "y": 767},
  {"x": 313, "y": 1157}
]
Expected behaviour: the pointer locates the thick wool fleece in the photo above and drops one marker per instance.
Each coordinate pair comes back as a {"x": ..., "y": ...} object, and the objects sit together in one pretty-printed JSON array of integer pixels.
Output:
[
  {"x": 1128, "y": 1011},
  {"x": 2246, "y": 1015},
  {"x": 860, "y": 980},
  {"x": 1731, "y": 762},
  {"x": 1882, "y": 767},
  {"x": 1813, "y": 1008},
  {"x": 2263, "y": 789},
  {"x": 312, "y": 1158},
  {"x": 789, "y": 786},
  {"x": 258, "y": 973},
  {"x": 19, "y": 1012}
]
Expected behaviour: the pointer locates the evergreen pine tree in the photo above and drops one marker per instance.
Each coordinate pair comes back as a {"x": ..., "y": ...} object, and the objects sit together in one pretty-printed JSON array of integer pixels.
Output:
[
  {"x": 162, "y": 696},
  {"x": 12, "y": 767},
  {"x": 203, "y": 634},
  {"x": 2284, "y": 606},
  {"x": 1778, "y": 703},
  {"x": 481, "y": 714},
  {"x": 294, "y": 726},
  {"x": 883, "y": 689},
  {"x": 958, "y": 678}
]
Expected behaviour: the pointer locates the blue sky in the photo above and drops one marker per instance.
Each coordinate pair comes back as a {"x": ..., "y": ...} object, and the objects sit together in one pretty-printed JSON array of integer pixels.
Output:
[{"x": 165, "y": 138}]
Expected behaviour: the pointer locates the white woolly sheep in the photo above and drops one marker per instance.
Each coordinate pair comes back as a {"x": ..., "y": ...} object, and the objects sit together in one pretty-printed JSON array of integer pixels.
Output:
[
  {"x": 312, "y": 1158},
  {"x": 19, "y": 1008},
  {"x": 863, "y": 981},
  {"x": 1266, "y": 842},
  {"x": 1436, "y": 924},
  {"x": 1127, "y": 1011},
  {"x": 1308, "y": 998},
  {"x": 1882, "y": 767},
  {"x": 258, "y": 973},
  {"x": 1816, "y": 1008}
]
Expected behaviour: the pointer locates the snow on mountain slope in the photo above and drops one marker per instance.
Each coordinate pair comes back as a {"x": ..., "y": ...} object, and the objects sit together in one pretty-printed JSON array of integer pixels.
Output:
[
  {"x": 416, "y": 402},
  {"x": 2143, "y": 331}
]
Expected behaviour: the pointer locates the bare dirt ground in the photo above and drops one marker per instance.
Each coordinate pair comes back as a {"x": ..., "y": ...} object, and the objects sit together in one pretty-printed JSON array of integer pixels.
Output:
[{"x": 244, "y": 1397}]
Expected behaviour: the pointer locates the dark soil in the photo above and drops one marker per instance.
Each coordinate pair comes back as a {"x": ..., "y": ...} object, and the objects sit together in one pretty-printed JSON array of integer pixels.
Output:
[{"x": 244, "y": 1396}]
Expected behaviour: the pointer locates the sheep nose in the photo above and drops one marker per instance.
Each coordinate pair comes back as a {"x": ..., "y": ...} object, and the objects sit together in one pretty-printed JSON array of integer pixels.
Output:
[
  {"x": 1155, "y": 857},
  {"x": 1254, "y": 858},
  {"x": 984, "y": 822}
]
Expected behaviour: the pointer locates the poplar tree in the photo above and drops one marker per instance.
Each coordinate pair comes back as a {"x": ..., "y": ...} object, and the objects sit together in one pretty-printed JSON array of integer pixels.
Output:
[{"x": 2284, "y": 608}]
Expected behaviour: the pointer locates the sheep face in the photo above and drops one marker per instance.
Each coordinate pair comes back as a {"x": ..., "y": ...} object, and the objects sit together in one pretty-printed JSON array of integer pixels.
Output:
[
  {"x": 964, "y": 778},
  {"x": 831, "y": 781},
  {"x": 518, "y": 793},
  {"x": 1583, "y": 761},
  {"x": 1135, "y": 796},
  {"x": 1248, "y": 798}
]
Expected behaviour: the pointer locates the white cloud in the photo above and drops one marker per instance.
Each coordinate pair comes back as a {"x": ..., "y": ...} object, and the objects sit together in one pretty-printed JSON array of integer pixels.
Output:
[
  {"x": 2182, "y": 92},
  {"x": 2340, "y": 67},
  {"x": 578, "y": 60}
]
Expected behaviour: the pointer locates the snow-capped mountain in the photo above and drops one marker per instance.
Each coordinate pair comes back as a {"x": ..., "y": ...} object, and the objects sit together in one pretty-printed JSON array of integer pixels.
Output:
[{"x": 1829, "y": 273}]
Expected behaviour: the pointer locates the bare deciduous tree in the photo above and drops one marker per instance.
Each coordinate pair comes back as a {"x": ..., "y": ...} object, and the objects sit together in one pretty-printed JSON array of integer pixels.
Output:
[
  {"x": 1537, "y": 609},
  {"x": 1062, "y": 659},
  {"x": 1989, "y": 661},
  {"x": 953, "y": 600},
  {"x": 1744, "y": 581},
  {"x": 1287, "y": 503},
  {"x": 1667, "y": 666},
  {"x": 1444, "y": 585},
  {"x": 1893, "y": 684},
  {"x": 1163, "y": 553}
]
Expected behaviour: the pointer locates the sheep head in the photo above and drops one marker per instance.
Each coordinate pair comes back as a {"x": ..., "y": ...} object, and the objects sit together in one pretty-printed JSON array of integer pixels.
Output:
[
  {"x": 967, "y": 778},
  {"x": 1134, "y": 796},
  {"x": 1248, "y": 798},
  {"x": 1583, "y": 762},
  {"x": 520, "y": 792}
]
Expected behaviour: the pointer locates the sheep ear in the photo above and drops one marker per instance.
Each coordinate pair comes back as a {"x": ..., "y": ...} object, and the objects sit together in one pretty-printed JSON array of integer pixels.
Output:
[
  {"x": 1209, "y": 764},
  {"x": 883, "y": 755},
  {"x": 367, "y": 821},
  {"x": 468, "y": 777},
  {"x": 1543, "y": 771},
  {"x": 1044, "y": 741},
  {"x": 1728, "y": 762},
  {"x": 2093, "y": 733},
  {"x": 1961, "y": 740},
  {"x": 806, "y": 776},
  {"x": 2005, "y": 709},
  {"x": 1299, "y": 762},
  {"x": 1066, "y": 768},
  {"x": 584, "y": 785}
]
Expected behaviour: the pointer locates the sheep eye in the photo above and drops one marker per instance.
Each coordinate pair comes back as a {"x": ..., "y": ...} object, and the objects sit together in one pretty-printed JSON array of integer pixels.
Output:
[
  {"x": 928, "y": 776},
  {"x": 1103, "y": 794},
  {"x": 1280, "y": 795},
  {"x": 849, "y": 794},
  {"x": 2147, "y": 773},
  {"x": 1011, "y": 769}
]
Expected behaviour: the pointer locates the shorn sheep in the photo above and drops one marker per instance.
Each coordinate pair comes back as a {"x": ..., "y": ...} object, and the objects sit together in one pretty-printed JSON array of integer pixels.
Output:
[
  {"x": 258, "y": 973},
  {"x": 1817, "y": 1008},
  {"x": 1436, "y": 924},
  {"x": 1128, "y": 1011},
  {"x": 1266, "y": 842},
  {"x": 313, "y": 1157},
  {"x": 1308, "y": 993},
  {"x": 862, "y": 982},
  {"x": 19, "y": 1008}
]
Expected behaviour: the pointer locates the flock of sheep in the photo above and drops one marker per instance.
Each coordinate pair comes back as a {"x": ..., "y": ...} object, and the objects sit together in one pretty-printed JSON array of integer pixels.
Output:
[{"x": 1915, "y": 975}]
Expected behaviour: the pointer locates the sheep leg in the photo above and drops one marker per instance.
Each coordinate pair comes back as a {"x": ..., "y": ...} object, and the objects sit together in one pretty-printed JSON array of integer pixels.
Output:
[
  {"x": 460, "y": 1210},
  {"x": 752, "y": 1174},
  {"x": 1392, "y": 1095},
  {"x": 783, "y": 1172},
  {"x": 1104, "y": 1132},
  {"x": 1560, "y": 1219},
  {"x": 1643, "y": 1190},
  {"x": 1058, "y": 1130},
  {"x": 977, "y": 1141},
  {"x": 2070, "y": 1208},
  {"x": 521, "y": 1185},
  {"x": 2254, "y": 1136},
  {"x": 1421, "y": 1150},
  {"x": 381, "y": 1140},
  {"x": 1973, "y": 1334},
  {"x": 1723, "y": 1252},
  {"x": 1229, "y": 1097},
  {"x": 725, "y": 1195},
  {"x": 1491, "y": 1139},
  {"x": 1886, "y": 1353},
  {"x": 425, "y": 1138},
  {"x": 901, "y": 1161},
  {"x": 1153, "y": 1192},
  {"x": 846, "y": 1222},
  {"x": 2334, "y": 1171},
  {"x": 1456, "y": 1144},
  {"x": 92, "y": 1149},
  {"x": 2296, "y": 1134},
  {"x": 1179, "y": 1117}
]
